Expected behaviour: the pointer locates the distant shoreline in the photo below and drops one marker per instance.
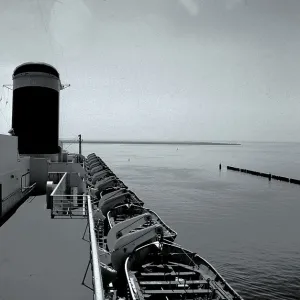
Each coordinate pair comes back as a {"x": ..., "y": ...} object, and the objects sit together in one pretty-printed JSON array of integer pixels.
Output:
[{"x": 152, "y": 143}]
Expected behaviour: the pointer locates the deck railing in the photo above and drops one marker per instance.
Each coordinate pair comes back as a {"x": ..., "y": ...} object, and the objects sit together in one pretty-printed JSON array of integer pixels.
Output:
[
  {"x": 25, "y": 181},
  {"x": 69, "y": 205},
  {"x": 97, "y": 277},
  {"x": 65, "y": 200}
]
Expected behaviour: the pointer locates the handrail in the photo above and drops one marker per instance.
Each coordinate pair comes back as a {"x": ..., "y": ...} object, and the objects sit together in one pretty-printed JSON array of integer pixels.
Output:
[
  {"x": 59, "y": 183},
  {"x": 18, "y": 191},
  {"x": 67, "y": 195},
  {"x": 24, "y": 176},
  {"x": 98, "y": 284}
]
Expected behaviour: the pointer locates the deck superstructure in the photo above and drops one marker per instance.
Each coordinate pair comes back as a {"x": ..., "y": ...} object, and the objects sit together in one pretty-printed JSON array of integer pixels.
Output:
[{"x": 128, "y": 243}]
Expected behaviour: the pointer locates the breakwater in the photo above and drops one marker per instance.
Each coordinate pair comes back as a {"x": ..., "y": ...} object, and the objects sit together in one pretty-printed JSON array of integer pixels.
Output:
[{"x": 266, "y": 175}]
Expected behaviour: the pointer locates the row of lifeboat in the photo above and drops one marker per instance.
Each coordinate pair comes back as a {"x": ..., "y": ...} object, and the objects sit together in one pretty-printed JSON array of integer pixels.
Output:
[{"x": 139, "y": 258}]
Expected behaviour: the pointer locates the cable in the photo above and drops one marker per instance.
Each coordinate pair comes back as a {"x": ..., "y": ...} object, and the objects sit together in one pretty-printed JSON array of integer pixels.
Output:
[
  {"x": 4, "y": 117},
  {"x": 45, "y": 28},
  {"x": 70, "y": 144},
  {"x": 4, "y": 99}
]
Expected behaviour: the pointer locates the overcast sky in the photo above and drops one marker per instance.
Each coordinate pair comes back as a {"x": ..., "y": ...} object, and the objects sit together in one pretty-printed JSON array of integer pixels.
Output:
[{"x": 162, "y": 69}]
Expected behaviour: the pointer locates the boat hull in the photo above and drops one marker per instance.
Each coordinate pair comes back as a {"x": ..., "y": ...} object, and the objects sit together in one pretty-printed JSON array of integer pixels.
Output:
[
  {"x": 160, "y": 270},
  {"x": 125, "y": 211}
]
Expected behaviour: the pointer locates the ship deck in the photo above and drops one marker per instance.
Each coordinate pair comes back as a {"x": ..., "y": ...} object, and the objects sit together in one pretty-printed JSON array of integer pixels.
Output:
[{"x": 40, "y": 256}]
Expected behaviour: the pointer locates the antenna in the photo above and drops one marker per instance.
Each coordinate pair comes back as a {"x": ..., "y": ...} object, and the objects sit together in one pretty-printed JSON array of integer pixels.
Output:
[
  {"x": 8, "y": 86},
  {"x": 64, "y": 86}
]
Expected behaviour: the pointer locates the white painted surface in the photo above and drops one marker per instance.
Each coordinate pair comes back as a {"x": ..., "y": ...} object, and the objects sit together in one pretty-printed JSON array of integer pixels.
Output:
[
  {"x": 10, "y": 182},
  {"x": 39, "y": 174},
  {"x": 8, "y": 153},
  {"x": 12, "y": 166},
  {"x": 67, "y": 167}
]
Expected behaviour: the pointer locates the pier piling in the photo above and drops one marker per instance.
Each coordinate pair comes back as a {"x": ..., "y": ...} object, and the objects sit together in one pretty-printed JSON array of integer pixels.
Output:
[{"x": 266, "y": 175}]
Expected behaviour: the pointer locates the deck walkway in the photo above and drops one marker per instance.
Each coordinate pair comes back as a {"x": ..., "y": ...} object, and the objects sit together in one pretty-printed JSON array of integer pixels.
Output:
[{"x": 42, "y": 257}]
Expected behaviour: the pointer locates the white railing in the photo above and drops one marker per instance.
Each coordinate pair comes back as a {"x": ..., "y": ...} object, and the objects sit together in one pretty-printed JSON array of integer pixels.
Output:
[
  {"x": 65, "y": 200},
  {"x": 69, "y": 206},
  {"x": 97, "y": 277},
  {"x": 66, "y": 204}
]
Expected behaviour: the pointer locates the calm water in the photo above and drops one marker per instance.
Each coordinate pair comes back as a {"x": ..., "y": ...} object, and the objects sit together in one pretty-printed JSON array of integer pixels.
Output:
[{"x": 246, "y": 226}]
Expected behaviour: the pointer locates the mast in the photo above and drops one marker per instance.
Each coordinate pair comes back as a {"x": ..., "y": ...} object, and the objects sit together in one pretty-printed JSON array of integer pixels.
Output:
[{"x": 79, "y": 136}]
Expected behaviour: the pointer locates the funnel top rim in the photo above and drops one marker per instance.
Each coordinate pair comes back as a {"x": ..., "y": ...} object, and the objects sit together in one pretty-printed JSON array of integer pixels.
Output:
[{"x": 35, "y": 67}]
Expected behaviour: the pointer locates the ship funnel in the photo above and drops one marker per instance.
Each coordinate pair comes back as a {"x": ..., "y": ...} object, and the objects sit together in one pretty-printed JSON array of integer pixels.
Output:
[{"x": 35, "y": 115}]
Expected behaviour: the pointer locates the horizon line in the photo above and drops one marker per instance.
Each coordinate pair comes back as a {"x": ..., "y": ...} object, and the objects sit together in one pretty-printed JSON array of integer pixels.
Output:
[{"x": 149, "y": 142}]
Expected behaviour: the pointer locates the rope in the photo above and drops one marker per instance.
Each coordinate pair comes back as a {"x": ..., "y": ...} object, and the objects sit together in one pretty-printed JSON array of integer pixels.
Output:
[
  {"x": 70, "y": 144},
  {"x": 49, "y": 35},
  {"x": 4, "y": 99},
  {"x": 172, "y": 243},
  {"x": 4, "y": 117},
  {"x": 51, "y": 38}
]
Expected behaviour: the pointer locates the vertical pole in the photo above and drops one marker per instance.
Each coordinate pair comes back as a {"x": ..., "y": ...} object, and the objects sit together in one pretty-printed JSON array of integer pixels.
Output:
[
  {"x": 0, "y": 200},
  {"x": 79, "y": 144}
]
